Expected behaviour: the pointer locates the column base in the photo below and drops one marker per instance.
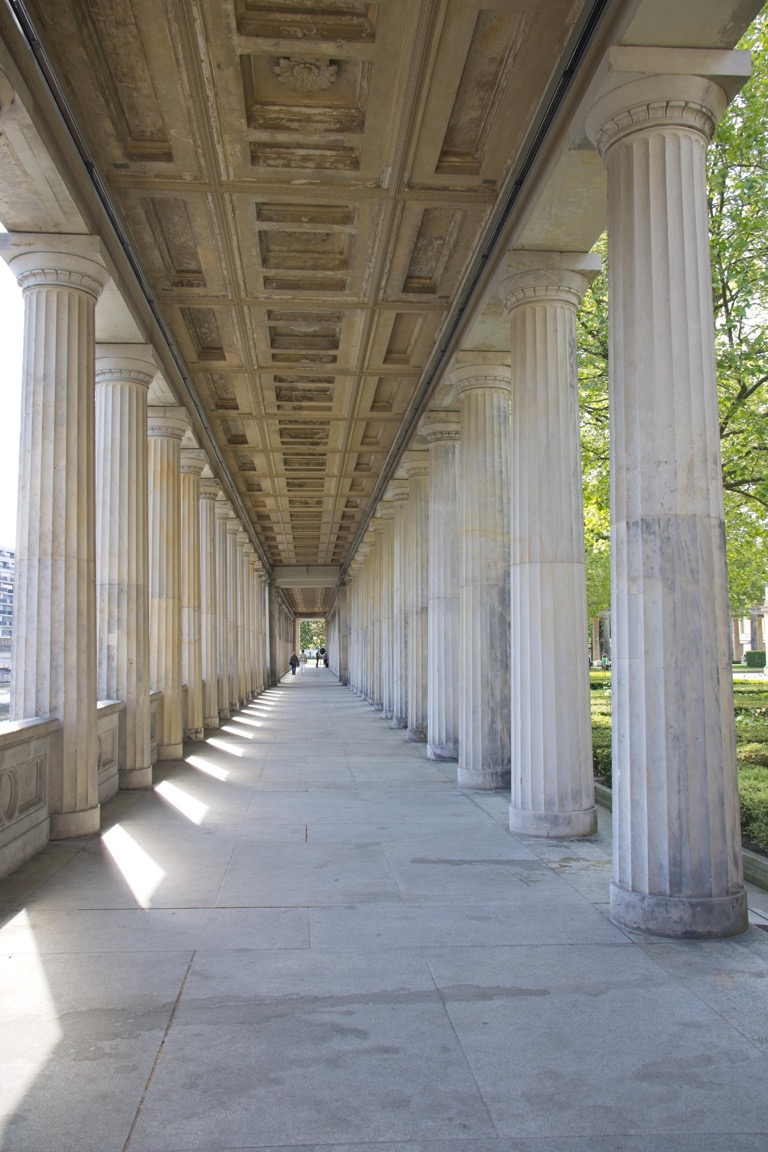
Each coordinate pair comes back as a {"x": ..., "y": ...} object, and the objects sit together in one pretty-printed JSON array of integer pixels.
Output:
[
  {"x": 399, "y": 722},
  {"x": 133, "y": 778},
  {"x": 234, "y": 706},
  {"x": 561, "y": 825},
  {"x": 386, "y": 713},
  {"x": 708, "y": 918},
  {"x": 211, "y": 722},
  {"x": 416, "y": 736},
  {"x": 170, "y": 752},
  {"x": 67, "y": 825},
  {"x": 441, "y": 752},
  {"x": 224, "y": 715},
  {"x": 194, "y": 734},
  {"x": 484, "y": 780}
]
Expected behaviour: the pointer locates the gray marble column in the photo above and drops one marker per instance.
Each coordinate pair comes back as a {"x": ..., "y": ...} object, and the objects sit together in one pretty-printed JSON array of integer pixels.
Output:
[
  {"x": 222, "y": 599},
  {"x": 440, "y": 429},
  {"x": 165, "y": 429},
  {"x": 54, "y": 634},
  {"x": 484, "y": 613},
  {"x": 552, "y": 774},
  {"x": 192, "y": 463},
  {"x": 124, "y": 373},
  {"x": 677, "y": 860},
  {"x": 416, "y": 467},
  {"x": 399, "y": 493},
  {"x": 209, "y": 490}
]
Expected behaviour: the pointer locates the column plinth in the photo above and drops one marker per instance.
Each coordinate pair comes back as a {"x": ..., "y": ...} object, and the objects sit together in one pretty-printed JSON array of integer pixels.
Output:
[
  {"x": 552, "y": 773},
  {"x": 54, "y": 634},
  {"x": 123, "y": 376},
  {"x": 484, "y": 716},
  {"x": 165, "y": 428},
  {"x": 441, "y": 431},
  {"x": 677, "y": 859}
]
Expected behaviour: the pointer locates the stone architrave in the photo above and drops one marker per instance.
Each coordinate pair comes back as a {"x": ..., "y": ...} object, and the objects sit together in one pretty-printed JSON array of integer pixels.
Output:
[
  {"x": 165, "y": 430},
  {"x": 193, "y": 461},
  {"x": 54, "y": 634},
  {"x": 399, "y": 493},
  {"x": 124, "y": 373},
  {"x": 677, "y": 861},
  {"x": 416, "y": 467},
  {"x": 484, "y": 693},
  {"x": 441, "y": 431},
  {"x": 552, "y": 773},
  {"x": 209, "y": 490},
  {"x": 222, "y": 511}
]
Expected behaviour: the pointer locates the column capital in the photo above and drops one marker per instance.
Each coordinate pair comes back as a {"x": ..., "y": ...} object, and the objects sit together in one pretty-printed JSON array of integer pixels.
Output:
[
  {"x": 415, "y": 463},
  {"x": 548, "y": 277},
  {"x": 496, "y": 377},
  {"x": 64, "y": 261},
  {"x": 242, "y": 536},
  {"x": 398, "y": 491},
  {"x": 125, "y": 364},
  {"x": 193, "y": 460},
  {"x": 209, "y": 488},
  {"x": 653, "y": 88},
  {"x": 233, "y": 522},
  {"x": 222, "y": 506},
  {"x": 385, "y": 511},
  {"x": 170, "y": 422},
  {"x": 441, "y": 424}
]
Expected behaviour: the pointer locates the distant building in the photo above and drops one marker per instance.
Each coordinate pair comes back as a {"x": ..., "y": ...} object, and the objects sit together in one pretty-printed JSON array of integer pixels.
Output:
[{"x": 7, "y": 568}]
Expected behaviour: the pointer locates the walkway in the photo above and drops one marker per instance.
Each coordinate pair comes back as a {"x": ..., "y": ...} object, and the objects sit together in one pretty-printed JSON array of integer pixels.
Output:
[{"x": 307, "y": 937}]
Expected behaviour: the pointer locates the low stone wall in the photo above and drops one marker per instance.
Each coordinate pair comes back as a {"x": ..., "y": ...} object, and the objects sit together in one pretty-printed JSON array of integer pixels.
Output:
[
  {"x": 110, "y": 730},
  {"x": 27, "y": 748}
]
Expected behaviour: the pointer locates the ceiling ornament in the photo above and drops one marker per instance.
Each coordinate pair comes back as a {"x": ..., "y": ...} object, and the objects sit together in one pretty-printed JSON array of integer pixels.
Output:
[{"x": 306, "y": 73}]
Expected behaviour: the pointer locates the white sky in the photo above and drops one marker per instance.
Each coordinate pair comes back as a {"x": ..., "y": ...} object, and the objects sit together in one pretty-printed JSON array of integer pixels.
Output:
[{"x": 11, "y": 335}]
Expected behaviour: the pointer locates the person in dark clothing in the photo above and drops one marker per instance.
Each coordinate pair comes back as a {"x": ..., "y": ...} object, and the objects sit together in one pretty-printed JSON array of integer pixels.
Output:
[
  {"x": 320, "y": 656},
  {"x": 294, "y": 663}
]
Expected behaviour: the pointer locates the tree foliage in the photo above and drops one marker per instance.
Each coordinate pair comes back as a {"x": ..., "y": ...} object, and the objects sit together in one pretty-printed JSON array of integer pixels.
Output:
[
  {"x": 737, "y": 175},
  {"x": 312, "y": 634}
]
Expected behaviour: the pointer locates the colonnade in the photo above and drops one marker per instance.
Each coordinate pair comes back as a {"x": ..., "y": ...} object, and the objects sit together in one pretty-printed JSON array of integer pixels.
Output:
[
  {"x": 489, "y": 500},
  {"x": 134, "y": 573}
]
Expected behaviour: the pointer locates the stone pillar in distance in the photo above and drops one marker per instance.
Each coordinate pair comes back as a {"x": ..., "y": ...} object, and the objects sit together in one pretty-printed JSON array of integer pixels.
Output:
[
  {"x": 165, "y": 429},
  {"x": 222, "y": 596},
  {"x": 124, "y": 373},
  {"x": 54, "y": 634},
  {"x": 552, "y": 773},
  {"x": 484, "y": 717},
  {"x": 192, "y": 463},
  {"x": 416, "y": 468},
  {"x": 399, "y": 494},
  {"x": 677, "y": 860}
]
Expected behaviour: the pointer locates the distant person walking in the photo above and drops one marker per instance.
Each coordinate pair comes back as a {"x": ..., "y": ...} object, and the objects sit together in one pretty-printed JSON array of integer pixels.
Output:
[
  {"x": 294, "y": 663},
  {"x": 320, "y": 656},
  {"x": 302, "y": 662}
]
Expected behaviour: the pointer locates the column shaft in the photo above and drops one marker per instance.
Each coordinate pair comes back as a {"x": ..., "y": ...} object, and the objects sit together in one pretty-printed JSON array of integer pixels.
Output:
[
  {"x": 192, "y": 464},
  {"x": 222, "y": 598},
  {"x": 209, "y": 489},
  {"x": 400, "y": 491},
  {"x": 417, "y": 469}
]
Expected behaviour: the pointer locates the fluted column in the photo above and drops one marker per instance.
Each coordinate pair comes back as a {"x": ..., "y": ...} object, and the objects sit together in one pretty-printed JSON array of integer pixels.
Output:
[
  {"x": 233, "y": 607},
  {"x": 399, "y": 492},
  {"x": 441, "y": 431},
  {"x": 385, "y": 515},
  {"x": 209, "y": 490},
  {"x": 165, "y": 429},
  {"x": 192, "y": 464},
  {"x": 54, "y": 634},
  {"x": 416, "y": 467},
  {"x": 242, "y": 638},
  {"x": 124, "y": 373},
  {"x": 552, "y": 774},
  {"x": 342, "y": 601},
  {"x": 677, "y": 862},
  {"x": 249, "y": 664},
  {"x": 222, "y": 602},
  {"x": 485, "y": 706}
]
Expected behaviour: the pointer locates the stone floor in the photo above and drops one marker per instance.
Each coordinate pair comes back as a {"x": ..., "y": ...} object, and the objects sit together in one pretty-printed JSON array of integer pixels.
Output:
[{"x": 305, "y": 937}]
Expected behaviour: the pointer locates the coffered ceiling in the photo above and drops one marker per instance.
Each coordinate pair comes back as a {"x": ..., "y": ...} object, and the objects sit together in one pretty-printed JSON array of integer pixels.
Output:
[{"x": 304, "y": 185}]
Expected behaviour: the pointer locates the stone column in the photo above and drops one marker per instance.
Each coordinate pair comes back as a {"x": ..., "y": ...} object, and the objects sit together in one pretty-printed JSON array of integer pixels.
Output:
[
  {"x": 416, "y": 467},
  {"x": 165, "y": 429},
  {"x": 54, "y": 634},
  {"x": 209, "y": 490},
  {"x": 677, "y": 860},
  {"x": 124, "y": 373},
  {"x": 242, "y": 632},
  {"x": 484, "y": 693},
  {"x": 552, "y": 774},
  {"x": 192, "y": 464},
  {"x": 385, "y": 514},
  {"x": 399, "y": 491},
  {"x": 441, "y": 431},
  {"x": 249, "y": 621},
  {"x": 342, "y": 600},
  {"x": 233, "y": 605},
  {"x": 222, "y": 599}
]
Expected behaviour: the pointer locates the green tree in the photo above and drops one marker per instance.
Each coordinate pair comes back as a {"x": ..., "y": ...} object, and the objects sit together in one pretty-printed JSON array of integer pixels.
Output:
[
  {"x": 312, "y": 634},
  {"x": 737, "y": 175}
]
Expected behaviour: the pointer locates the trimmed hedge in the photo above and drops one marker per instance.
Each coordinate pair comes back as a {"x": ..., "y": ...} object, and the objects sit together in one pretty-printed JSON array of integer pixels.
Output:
[
  {"x": 753, "y": 794},
  {"x": 755, "y": 659}
]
